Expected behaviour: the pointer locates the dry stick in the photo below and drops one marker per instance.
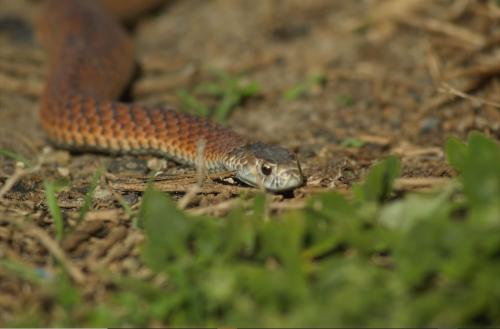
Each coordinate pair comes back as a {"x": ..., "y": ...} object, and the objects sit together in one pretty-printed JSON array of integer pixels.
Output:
[
  {"x": 219, "y": 207},
  {"x": 227, "y": 205},
  {"x": 433, "y": 63},
  {"x": 12, "y": 180},
  {"x": 491, "y": 42},
  {"x": 16, "y": 85},
  {"x": 445, "y": 87},
  {"x": 441, "y": 100},
  {"x": 181, "y": 185},
  {"x": 458, "y": 9},
  {"x": 18, "y": 174},
  {"x": 52, "y": 246},
  {"x": 420, "y": 183},
  {"x": 385, "y": 11},
  {"x": 481, "y": 70},
  {"x": 446, "y": 28},
  {"x": 159, "y": 85},
  {"x": 200, "y": 175},
  {"x": 17, "y": 54}
]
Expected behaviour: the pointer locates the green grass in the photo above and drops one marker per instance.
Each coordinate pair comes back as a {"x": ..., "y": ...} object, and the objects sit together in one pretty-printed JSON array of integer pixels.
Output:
[
  {"x": 345, "y": 100},
  {"x": 373, "y": 260},
  {"x": 15, "y": 156},
  {"x": 87, "y": 201},
  {"x": 51, "y": 190},
  {"x": 353, "y": 142},
  {"x": 305, "y": 88},
  {"x": 228, "y": 91}
]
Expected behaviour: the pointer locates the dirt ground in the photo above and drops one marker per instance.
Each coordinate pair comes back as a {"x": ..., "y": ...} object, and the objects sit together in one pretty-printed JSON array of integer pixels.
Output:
[{"x": 396, "y": 77}]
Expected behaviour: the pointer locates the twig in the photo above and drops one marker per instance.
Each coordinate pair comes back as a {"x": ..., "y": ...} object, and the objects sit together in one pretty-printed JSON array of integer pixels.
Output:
[
  {"x": 12, "y": 180},
  {"x": 482, "y": 70},
  {"x": 219, "y": 207},
  {"x": 27, "y": 87},
  {"x": 385, "y": 11},
  {"x": 200, "y": 175},
  {"x": 445, "y": 87},
  {"x": 420, "y": 183},
  {"x": 458, "y": 9},
  {"x": 441, "y": 99},
  {"x": 31, "y": 54},
  {"x": 446, "y": 28},
  {"x": 51, "y": 246},
  {"x": 19, "y": 172},
  {"x": 181, "y": 183},
  {"x": 490, "y": 43},
  {"x": 227, "y": 205}
]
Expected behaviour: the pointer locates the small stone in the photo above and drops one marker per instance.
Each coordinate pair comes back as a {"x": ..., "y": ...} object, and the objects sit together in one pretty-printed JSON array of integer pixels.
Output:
[
  {"x": 63, "y": 171},
  {"x": 429, "y": 124},
  {"x": 156, "y": 164},
  {"x": 60, "y": 157},
  {"x": 128, "y": 166},
  {"x": 131, "y": 198},
  {"x": 102, "y": 194}
]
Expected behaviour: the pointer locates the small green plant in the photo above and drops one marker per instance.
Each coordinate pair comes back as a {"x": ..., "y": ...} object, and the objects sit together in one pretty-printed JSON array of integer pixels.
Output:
[
  {"x": 345, "y": 100},
  {"x": 478, "y": 162},
  {"x": 373, "y": 260},
  {"x": 189, "y": 103},
  {"x": 353, "y": 142},
  {"x": 305, "y": 88},
  {"x": 378, "y": 183},
  {"x": 229, "y": 91}
]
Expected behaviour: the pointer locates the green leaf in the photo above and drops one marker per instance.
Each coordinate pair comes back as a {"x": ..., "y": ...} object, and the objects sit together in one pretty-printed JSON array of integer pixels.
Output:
[
  {"x": 478, "y": 163},
  {"x": 456, "y": 152},
  {"x": 379, "y": 181},
  {"x": 403, "y": 214},
  {"x": 165, "y": 226}
]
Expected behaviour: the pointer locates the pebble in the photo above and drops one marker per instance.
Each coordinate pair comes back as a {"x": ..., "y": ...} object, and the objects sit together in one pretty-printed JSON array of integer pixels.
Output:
[
  {"x": 128, "y": 165},
  {"x": 102, "y": 194},
  {"x": 63, "y": 171},
  {"x": 156, "y": 164},
  {"x": 428, "y": 125}
]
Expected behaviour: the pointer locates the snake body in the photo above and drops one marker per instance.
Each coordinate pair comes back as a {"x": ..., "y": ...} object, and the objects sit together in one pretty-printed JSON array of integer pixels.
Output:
[{"x": 91, "y": 62}]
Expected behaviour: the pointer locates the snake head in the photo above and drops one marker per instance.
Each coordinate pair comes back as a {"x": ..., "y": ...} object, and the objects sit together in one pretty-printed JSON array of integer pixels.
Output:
[{"x": 267, "y": 166}]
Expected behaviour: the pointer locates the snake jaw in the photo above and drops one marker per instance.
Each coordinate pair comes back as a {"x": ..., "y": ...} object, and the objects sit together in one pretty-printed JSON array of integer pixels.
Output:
[{"x": 266, "y": 166}]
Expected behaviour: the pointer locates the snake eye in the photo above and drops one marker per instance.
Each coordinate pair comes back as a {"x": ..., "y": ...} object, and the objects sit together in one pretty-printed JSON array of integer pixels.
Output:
[{"x": 266, "y": 169}]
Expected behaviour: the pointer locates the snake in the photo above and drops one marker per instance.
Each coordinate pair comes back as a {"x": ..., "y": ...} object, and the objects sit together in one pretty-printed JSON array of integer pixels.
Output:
[{"x": 90, "y": 64}]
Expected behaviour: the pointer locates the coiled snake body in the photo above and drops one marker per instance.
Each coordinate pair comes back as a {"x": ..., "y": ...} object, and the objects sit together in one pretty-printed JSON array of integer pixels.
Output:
[{"x": 90, "y": 63}]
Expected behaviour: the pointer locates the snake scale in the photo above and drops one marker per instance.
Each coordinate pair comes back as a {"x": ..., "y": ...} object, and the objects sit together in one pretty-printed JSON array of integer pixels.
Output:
[{"x": 91, "y": 61}]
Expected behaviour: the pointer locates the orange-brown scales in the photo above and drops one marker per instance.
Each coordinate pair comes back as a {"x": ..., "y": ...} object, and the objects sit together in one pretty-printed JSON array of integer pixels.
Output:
[{"x": 91, "y": 62}]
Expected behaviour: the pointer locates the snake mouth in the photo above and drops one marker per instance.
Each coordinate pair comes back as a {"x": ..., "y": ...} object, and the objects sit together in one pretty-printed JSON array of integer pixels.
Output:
[
  {"x": 287, "y": 184},
  {"x": 286, "y": 181}
]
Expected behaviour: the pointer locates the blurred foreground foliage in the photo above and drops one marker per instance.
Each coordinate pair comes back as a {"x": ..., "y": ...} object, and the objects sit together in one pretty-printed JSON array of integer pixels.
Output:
[{"x": 424, "y": 259}]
